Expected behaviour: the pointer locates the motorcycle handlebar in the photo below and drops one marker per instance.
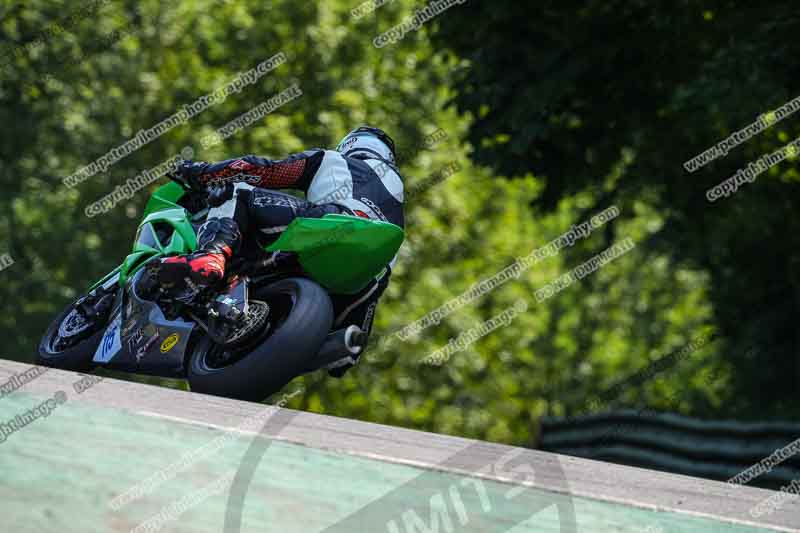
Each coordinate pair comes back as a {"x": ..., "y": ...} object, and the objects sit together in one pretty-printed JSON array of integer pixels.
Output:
[{"x": 180, "y": 180}]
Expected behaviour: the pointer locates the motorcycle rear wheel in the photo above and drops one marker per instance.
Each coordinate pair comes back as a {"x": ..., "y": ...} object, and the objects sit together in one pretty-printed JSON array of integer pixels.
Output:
[{"x": 299, "y": 320}]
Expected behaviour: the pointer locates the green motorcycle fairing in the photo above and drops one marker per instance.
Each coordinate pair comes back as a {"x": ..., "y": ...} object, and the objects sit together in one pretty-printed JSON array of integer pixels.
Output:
[
  {"x": 340, "y": 252},
  {"x": 161, "y": 234}
]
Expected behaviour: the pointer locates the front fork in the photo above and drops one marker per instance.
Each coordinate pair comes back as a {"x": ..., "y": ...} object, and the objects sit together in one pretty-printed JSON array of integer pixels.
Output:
[{"x": 98, "y": 303}]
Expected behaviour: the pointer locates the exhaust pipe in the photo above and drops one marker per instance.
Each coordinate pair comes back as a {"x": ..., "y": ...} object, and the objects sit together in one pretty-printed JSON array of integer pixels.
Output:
[{"x": 340, "y": 344}]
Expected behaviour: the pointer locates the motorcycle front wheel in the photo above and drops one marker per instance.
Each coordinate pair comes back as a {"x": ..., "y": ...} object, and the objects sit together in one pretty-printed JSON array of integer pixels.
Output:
[{"x": 70, "y": 342}]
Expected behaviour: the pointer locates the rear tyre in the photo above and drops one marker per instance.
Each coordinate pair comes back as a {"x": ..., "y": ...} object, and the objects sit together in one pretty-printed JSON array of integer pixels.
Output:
[{"x": 300, "y": 318}]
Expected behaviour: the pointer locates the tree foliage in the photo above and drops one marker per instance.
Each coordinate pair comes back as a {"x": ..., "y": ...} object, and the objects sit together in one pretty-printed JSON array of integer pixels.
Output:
[
  {"x": 613, "y": 97},
  {"x": 580, "y": 127}
]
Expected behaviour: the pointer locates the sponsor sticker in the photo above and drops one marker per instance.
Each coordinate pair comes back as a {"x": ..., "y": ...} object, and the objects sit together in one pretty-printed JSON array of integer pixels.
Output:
[{"x": 170, "y": 342}]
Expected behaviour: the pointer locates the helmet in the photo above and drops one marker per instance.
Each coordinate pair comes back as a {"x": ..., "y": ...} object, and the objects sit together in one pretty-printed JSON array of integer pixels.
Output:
[{"x": 366, "y": 142}]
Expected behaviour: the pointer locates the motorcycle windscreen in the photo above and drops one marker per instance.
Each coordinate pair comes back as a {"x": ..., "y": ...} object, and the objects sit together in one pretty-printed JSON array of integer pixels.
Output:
[
  {"x": 340, "y": 252},
  {"x": 165, "y": 197}
]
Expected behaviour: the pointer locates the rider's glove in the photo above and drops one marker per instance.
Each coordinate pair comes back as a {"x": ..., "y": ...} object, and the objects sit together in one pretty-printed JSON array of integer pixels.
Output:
[
  {"x": 219, "y": 193},
  {"x": 191, "y": 172}
]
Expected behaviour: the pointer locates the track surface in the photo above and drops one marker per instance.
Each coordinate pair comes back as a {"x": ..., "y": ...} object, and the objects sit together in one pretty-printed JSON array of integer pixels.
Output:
[{"x": 313, "y": 473}]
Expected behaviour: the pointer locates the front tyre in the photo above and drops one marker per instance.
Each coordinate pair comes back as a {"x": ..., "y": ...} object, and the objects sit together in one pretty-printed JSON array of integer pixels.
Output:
[
  {"x": 299, "y": 319},
  {"x": 70, "y": 342}
]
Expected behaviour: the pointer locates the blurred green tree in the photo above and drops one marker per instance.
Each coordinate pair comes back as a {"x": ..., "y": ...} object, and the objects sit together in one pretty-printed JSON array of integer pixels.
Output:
[
  {"x": 78, "y": 93},
  {"x": 613, "y": 97}
]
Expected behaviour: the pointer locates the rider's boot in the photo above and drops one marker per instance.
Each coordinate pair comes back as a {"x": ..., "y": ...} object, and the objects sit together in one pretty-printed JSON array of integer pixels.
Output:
[{"x": 217, "y": 241}]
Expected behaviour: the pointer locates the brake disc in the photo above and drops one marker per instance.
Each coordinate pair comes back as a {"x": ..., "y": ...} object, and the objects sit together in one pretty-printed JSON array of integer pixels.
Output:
[
  {"x": 74, "y": 324},
  {"x": 254, "y": 321}
]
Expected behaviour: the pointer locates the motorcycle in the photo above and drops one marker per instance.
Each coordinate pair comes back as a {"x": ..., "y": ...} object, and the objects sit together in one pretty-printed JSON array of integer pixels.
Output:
[{"x": 269, "y": 321}]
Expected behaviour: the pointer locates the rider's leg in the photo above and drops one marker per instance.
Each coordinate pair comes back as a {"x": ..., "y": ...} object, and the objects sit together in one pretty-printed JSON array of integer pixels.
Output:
[
  {"x": 271, "y": 212},
  {"x": 218, "y": 239},
  {"x": 248, "y": 210}
]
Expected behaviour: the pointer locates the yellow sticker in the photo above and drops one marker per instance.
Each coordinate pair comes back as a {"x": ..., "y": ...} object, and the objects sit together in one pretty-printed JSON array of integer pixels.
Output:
[{"x": 170, "y": 342}]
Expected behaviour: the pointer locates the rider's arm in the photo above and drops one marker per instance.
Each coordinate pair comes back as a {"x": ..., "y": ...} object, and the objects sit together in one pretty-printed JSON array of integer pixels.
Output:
[{"x": 294, "y": 172}]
